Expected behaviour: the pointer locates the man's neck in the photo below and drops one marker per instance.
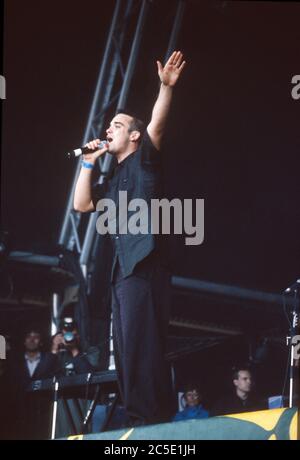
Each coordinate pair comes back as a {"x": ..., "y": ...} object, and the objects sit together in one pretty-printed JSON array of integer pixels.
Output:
[
  {"x": 121, "y": 156},
  {"x": 32, "y": 355},
  {"x": 242, "y": 394}
]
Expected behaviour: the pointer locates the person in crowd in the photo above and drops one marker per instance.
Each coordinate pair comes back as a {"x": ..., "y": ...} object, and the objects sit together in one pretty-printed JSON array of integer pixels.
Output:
[
  {"x": 66, "y": 346},
  {"x": 242, "y": 397},
  {"x": 30, "y": 409},
  {"x": 193, "y": 408},
  {"x": 33, "y": 363}
]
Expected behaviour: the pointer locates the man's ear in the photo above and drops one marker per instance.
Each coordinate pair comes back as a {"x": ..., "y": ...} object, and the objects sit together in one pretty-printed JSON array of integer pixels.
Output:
[{"x": 135, "y": 136}]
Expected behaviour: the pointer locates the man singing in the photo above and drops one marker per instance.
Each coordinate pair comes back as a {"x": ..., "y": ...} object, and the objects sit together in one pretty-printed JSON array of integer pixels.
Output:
[{"x": 139, "y": 281}]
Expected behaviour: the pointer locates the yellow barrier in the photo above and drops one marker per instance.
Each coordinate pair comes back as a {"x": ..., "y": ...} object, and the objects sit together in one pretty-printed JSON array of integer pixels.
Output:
[{"x": 276, "y": 424}]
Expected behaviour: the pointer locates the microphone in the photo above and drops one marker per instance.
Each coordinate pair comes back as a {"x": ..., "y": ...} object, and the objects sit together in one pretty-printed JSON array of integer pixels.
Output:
[
  {"x": 294, "y": 287},
  {"x": 84, "y": 150}
]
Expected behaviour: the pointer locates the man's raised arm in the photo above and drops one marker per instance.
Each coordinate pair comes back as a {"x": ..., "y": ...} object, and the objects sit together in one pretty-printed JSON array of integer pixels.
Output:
[
  {"x": 83, "y": 190},
  {"x": 168, "y": 75}
]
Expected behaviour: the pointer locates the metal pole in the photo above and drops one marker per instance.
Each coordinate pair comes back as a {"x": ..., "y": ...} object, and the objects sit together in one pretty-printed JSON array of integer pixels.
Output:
[
  {"x": 91, "y": 228},
  {"x": 54, "y": 413},
  {"x": 291, "y": 391},
  {"x": 66, "y": 222},
  {"x": 133, "y": 56},
  {"x": 176, "y": 28},
  {"x": 294, "y": 327},
  {"x": 105, "y": 163},
  {"x": 196, "y": 285},
  {"x": 116, "y": 62},
  {"x": 55, "y": 307},
  {"x": 112, "y": 364}
]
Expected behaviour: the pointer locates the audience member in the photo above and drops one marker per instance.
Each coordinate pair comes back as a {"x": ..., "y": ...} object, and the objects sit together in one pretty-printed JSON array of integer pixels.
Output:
[
  {"x": 193, "y": 409},
  {"x": 33, "y": 364},
  {"x": 242, "y": 397},
  {"x": 31, "y": 411}
]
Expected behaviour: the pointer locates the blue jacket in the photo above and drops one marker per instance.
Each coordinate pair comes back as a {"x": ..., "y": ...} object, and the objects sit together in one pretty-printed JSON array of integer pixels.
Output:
[{"x": 191, "y": 412}]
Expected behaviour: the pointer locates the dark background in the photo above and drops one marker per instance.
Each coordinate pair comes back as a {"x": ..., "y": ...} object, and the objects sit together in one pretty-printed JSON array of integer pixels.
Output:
[
  {"x": 232, "y": 139},
  {"x": 233, "y": 135}
]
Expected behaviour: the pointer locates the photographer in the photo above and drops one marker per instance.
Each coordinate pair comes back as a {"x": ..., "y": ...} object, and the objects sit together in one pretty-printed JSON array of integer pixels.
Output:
[{"x": 66, "y": 345}]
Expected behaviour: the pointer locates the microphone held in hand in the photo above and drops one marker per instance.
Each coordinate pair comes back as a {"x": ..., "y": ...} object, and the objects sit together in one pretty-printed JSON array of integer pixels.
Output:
[
  {"x": 84, "y": 150},
  {"x": 295, "y": 287}
]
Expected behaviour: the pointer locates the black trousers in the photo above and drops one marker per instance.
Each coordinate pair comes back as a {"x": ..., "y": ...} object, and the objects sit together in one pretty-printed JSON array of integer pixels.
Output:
[{"x": 140, "y": 306}]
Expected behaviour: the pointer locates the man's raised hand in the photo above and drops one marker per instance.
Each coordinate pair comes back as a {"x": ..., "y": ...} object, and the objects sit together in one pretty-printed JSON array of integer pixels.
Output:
[{"x": 170, "y": 73}]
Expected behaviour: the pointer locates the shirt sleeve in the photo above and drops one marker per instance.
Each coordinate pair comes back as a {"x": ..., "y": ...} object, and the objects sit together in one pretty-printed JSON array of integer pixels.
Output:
[{"x": 150, "y": 156}]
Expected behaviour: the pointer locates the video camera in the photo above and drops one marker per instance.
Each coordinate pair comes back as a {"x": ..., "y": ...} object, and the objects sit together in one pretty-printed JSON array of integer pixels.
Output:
[{"x": 68, "y": 327}]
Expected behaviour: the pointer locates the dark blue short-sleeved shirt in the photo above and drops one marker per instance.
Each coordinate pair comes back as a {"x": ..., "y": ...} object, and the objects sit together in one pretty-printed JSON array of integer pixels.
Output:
[{"x": 140, "y": 176}]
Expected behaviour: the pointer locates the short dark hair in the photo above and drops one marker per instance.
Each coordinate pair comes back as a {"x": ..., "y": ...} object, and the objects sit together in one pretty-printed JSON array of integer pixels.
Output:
[
  {"x": 136, "y": 124},
  {"x": 237, "y": 369},
  {"x": 32, "y": 331},
  {"x": 192, "y": 386}
]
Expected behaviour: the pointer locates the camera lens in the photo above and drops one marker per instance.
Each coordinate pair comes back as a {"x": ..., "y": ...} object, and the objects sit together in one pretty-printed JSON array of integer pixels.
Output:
[
  {"x": 68, "y": 324},
  {"x": 69, "y": 337}
]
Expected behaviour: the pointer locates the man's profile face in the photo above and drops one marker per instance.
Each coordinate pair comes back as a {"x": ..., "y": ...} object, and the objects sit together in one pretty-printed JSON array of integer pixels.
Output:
[
  {"x": 32, "y": 341},
  {"x": 118, "y": 135},
  {"x": 244, "y": 381},
  {"x": 192, "y": 398}
]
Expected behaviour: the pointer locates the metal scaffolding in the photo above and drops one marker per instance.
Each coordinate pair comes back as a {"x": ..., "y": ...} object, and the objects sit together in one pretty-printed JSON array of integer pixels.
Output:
[
  {"x": 102, "y": 100},
  {"x": 113, "y": 65}
]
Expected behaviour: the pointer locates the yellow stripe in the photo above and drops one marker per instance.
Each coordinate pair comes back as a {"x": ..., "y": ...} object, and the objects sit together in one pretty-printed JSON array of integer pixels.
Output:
[
  {"x": 78, "y": 437},
  {"x": 266, "y": 419},
  {"x": 293, "y": 427},
  {"x": 126, "y": 435}
]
